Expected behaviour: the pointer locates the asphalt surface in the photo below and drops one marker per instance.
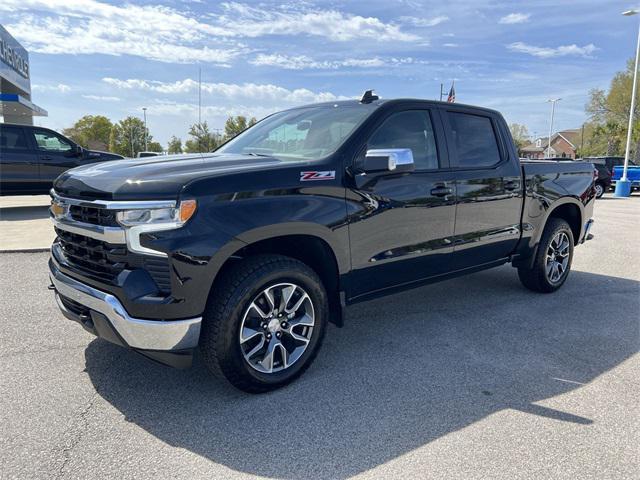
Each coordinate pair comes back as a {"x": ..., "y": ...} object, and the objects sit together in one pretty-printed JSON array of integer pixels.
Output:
[
  {"x": 471, "y": 378},
  {"x": 24, "y": 223}
]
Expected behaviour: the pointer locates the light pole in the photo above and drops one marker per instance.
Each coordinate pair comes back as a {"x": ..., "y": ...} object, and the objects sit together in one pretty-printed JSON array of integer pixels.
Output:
[
  {"x": 623, "y": 186},
  {"x": 553, "y": 110},
  {"x": 144, "y": 111}
]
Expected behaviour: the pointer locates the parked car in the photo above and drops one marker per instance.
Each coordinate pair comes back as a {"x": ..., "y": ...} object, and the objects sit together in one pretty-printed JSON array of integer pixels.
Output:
[
  {"x": 611, "y": 162},
  {"x": 633, "y": 174},
  {"x": 148, "y": 154},
  {"x": 249, "y": 251},
  {"x": 32, "y": 157},
  {"x": 603, "y": 182}
]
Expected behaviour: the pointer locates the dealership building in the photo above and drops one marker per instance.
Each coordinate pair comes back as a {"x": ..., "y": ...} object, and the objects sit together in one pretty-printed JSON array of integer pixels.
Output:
[{"x": 15, "y": 83}]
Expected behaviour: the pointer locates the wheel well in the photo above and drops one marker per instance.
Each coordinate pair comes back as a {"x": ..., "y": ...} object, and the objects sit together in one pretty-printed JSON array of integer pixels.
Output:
[
  {"x": 310, "y": 250},
  {"x": 571, "y": 214}
]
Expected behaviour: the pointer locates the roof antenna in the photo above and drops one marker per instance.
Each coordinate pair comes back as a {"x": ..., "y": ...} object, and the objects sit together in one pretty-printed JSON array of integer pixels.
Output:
[{"x": 368, "y": 97}]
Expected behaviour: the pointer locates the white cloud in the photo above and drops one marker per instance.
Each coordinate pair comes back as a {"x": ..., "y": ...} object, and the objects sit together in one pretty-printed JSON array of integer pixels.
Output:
[
  {"x": 424, "y": 22},
  {"x": 450, "y": 45},
  {"x": 61, "y": 87},
  {"x": 303, "y": 62},
  {"x": 244, "y": 20},
  {"x": 266, "y": 93},
  {"x": 101, "y": 98},
  {"x": 549, "y": 52},
  {"x": 515, "y": 18},
  {"x": 165, "y": 34}
]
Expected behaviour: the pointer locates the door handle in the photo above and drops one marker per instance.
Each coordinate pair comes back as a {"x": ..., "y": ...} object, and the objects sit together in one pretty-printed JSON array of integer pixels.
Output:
[
  {"x": 512, "y": 185},
  {"x": 441, "y": 191},
  {"x": 45, "y": 158}
]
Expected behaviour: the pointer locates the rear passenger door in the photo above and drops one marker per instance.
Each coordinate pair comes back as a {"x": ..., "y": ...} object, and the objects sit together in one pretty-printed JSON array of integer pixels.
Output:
[
  {"x": 488, "y": 188},
  {"x": 18, "y": 161}
]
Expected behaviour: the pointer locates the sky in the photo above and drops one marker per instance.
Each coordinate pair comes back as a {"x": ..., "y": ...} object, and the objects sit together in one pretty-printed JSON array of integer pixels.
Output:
[{"x": 113, "y": 58}]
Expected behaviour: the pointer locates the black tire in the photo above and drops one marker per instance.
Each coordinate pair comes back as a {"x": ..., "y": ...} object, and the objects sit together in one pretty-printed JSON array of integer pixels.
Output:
[
  {"x": 600, "y": 189},
  {"x": 229, "y": 304},
  {"x": 537, "y": 278}
]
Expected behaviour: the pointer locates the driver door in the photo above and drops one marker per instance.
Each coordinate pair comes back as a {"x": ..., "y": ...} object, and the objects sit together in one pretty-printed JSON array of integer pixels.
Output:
[
  {"x": 55, "y": 153},
  {"x": 402, "y": 226}
]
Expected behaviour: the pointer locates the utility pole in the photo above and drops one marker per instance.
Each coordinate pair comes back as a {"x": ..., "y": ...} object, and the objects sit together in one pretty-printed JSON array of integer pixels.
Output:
[
  {"x": 200, "y": 109},
  {"x": 553, "y": 110},
  {"x": 144, "y": 111},
  {"x": 441, "y": 92},
  {"x": 623, "y": 186}
]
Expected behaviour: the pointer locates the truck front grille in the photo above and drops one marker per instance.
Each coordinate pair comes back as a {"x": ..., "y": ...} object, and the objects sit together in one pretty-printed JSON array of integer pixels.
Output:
[
  {"x": 106, "y": 261},
  {"x": 93, "y": 215}
]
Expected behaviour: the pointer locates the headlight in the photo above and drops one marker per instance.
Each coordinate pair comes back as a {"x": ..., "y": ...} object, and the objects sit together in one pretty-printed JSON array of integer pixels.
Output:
[{"x": 168, "y": 217}]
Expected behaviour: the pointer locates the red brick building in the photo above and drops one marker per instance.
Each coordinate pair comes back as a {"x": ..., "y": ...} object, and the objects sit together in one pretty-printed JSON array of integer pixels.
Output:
[{"x": 563, "y": 144}]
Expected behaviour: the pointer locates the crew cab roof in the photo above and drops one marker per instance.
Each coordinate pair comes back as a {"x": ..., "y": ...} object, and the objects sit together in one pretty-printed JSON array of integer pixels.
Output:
[{"x": 399, "y": 101}]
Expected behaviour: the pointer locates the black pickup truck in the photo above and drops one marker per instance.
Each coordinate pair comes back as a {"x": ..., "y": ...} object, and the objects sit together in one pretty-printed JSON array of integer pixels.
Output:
[
  {"x": 249, "y": 251},
  {"x": 31, "y": 158}
]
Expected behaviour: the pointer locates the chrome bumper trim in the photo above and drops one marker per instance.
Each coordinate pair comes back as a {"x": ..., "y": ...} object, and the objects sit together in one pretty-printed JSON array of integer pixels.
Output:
[{"x": 137, "y": 333}]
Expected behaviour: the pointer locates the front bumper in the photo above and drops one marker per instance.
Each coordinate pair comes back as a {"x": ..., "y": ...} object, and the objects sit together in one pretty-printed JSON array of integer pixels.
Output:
[{"x": 101, "y": 313}]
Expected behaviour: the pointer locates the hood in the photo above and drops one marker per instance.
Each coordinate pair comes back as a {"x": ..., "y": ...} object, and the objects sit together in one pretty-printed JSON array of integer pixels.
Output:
[{"x": 161, "y": 177}]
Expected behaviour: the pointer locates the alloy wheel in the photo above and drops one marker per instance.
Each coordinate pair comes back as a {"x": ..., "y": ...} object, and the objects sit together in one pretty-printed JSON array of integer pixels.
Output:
[
  {"x": 277, "y": 327},
  {"x": 599, "y": 190},
  {"x": 557, "y": 260}
]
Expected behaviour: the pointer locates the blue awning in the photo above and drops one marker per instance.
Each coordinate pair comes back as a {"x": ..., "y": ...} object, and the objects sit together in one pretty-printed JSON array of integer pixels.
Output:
[{"x": 14, "y": 104}]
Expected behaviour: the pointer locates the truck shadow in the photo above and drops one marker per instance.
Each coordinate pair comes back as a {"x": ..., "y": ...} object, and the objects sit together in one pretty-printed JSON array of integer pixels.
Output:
[
  {"x": 403, "y": 372},
  {"x": 24, "y": 213}
]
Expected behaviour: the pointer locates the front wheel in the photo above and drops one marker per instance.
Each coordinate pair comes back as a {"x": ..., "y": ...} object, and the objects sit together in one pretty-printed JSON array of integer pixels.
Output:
[
  {"x": 265, "y": 323},
  {"x": 553, "y": 259}
]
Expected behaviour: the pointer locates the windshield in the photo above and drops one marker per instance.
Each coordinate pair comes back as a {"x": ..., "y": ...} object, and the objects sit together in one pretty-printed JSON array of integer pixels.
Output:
[{"x": 309, "y": 133}]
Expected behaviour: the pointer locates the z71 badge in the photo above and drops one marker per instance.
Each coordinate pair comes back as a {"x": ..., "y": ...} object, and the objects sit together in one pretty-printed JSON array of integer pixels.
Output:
[{"x": 314, "y": 176}]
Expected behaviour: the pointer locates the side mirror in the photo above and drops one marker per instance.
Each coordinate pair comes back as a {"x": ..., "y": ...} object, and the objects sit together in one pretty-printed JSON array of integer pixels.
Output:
[
  {"x": 78, "y": 150},
  {"x": 392, "y": 160}
]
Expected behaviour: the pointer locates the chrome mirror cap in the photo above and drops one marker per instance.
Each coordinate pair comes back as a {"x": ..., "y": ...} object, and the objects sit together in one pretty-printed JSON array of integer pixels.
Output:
[{"x": 390, "y": 159}]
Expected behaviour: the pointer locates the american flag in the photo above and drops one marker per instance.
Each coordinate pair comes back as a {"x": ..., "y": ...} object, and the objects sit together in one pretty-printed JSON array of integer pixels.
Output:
[{"x": 452, "y": 94}]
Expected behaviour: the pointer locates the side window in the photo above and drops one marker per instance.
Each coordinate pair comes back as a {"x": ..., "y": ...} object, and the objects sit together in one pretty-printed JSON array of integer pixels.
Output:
[
  {"x": 475, "y": 140},
  {"x": 50, "y": 142},
  {"x": 410, "y": 129},
  {"x": 13, "y": 138}
]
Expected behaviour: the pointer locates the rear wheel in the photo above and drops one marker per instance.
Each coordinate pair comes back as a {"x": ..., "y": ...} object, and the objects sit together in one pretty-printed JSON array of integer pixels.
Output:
[
  {"x": 265, "y": 323},
  {"x": 553, "y": 259},
  {"x": 599, "y": 190}
]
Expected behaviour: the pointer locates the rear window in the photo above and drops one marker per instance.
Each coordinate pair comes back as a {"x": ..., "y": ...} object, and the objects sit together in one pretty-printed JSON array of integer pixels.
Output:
[
  {"x": 475, "y": 140},
  {"x": 13, "y": 137}
]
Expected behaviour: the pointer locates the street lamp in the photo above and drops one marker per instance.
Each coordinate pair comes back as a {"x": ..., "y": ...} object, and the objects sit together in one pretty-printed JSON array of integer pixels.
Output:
[
  {"x": 623, "y": 186},
  {"x": 144, "y": 111},
  {"x": 553, "y": 110}
]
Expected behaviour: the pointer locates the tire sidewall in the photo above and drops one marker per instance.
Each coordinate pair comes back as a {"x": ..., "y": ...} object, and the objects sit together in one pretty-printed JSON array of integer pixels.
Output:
[{"x": 228, "y": 340}]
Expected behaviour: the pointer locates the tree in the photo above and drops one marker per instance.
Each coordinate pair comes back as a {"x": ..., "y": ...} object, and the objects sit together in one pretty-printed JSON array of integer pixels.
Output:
[
  {"x": 127, "y": 137},
  {"x": 606, "y": 130},
  {"x": 174, "y": 146},
  {"x": 203, "y": 140},
  {"x": 235, "y": 125},
  {"x": 520, "y": 135},
  {"x": 91, "y": 131},
  {"x": 154, "y": 147}
]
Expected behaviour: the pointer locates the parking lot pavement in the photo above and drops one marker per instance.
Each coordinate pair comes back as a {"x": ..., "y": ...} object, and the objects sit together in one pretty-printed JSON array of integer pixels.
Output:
[
  {"x": 24, "y": 223},
  {"x": 471, "y": 378}
]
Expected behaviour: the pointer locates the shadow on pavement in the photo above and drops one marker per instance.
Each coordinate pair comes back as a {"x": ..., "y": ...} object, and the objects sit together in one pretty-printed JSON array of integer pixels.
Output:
[
  {"x": 404, "y": 371},
  {"x": 24, "y": 213}
]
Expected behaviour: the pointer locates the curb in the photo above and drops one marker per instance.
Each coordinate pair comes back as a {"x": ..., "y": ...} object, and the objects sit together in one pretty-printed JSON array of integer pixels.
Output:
[{"x": 26, "y": 250}]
